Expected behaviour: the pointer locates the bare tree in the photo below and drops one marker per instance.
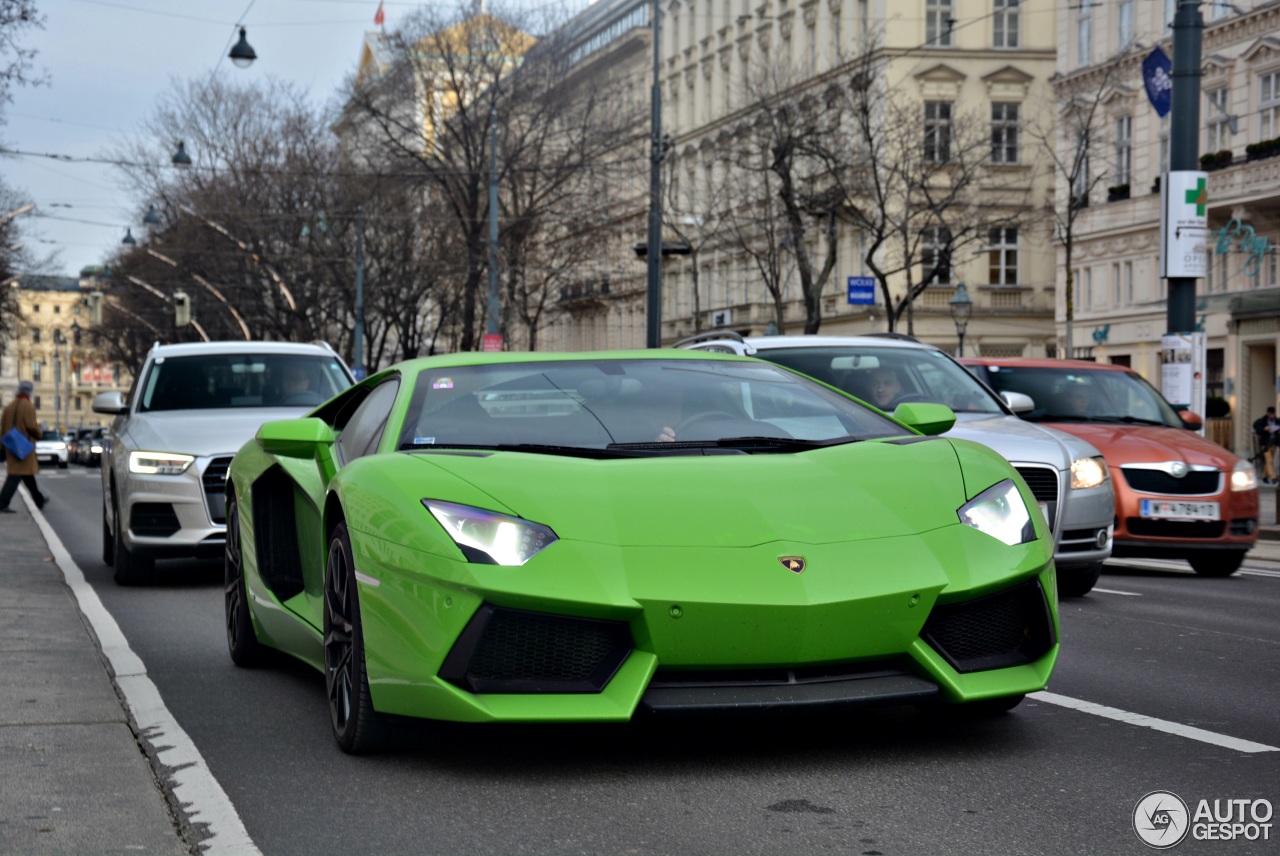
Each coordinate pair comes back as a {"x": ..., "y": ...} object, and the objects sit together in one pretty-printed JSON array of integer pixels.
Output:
[{"x": 1072, "y": 143}]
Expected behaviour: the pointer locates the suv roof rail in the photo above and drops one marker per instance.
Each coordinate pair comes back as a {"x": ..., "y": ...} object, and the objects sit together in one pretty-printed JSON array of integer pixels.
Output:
[
  {"x": 710, "y": 335},
  {"x": 902, "y": 337}
]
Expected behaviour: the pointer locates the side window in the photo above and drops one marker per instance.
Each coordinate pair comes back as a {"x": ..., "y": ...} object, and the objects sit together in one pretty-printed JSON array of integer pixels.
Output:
[{"x": 364, "y": 429}]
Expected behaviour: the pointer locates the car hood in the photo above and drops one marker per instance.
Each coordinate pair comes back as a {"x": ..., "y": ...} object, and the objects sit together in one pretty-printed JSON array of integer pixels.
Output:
[
  {"x": 1145, "y": 444},
  {"x": 201, "y": 432},
  {"x": 853, "y": 492},
  {"x": 1020, "y": 441}
]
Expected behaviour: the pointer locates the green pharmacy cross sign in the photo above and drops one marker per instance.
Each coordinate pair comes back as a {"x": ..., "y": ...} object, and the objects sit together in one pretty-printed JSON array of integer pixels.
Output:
[{"x": 1199, "y": 197}]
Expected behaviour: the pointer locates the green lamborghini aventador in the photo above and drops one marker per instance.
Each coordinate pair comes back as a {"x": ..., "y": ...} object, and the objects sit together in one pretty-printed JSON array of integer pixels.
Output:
[{"x": 587, "y": 537}]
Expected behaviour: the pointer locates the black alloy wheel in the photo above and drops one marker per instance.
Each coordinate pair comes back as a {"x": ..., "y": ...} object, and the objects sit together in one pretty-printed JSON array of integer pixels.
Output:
[
  {"x": 357, "y": 727},
  {"x": 1216, "y": 563},
  {"x": 242, "y": 641}
]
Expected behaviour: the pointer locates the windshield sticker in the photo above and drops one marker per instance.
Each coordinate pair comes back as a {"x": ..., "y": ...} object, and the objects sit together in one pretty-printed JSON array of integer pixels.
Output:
[
  {"x": 424, "y": 441},
  {"x": 442, "y": 383}
]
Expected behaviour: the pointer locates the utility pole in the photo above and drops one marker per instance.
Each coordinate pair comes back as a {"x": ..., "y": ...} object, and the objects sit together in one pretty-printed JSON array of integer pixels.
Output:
[
  {"x": 653, "y": 250},
  {"x": 358, "y": 338},
  {"x": 493, "y": 327},
  {"x": 1184, "y": 140}
]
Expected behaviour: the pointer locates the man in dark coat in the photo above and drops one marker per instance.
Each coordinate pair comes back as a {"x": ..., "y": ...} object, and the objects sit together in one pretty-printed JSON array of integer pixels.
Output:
[{"x": 21, "y": 413}]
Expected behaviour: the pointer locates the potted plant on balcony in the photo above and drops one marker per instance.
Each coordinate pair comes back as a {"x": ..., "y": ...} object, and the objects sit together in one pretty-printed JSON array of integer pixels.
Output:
[
  {"x": 1117, "y": 192},
  {"x": 1262, "y": 149},
  {"x": 1215, "y": 160}
]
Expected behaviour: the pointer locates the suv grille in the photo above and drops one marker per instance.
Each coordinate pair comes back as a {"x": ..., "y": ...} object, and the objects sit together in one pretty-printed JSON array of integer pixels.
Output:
[{"x": 215, "y": 489}]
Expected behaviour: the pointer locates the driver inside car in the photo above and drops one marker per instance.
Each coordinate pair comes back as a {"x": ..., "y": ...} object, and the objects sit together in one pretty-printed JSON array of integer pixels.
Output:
[{"x": 885, "y": 388}]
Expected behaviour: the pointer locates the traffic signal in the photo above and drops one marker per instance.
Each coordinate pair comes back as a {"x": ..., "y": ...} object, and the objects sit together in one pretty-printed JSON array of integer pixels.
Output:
[{"x": 181, "y": 308}]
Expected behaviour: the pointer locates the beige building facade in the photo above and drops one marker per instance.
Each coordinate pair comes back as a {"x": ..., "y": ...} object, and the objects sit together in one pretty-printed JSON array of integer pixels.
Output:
[
  {"x": 1120, "y": 311},
  {"x": 54, "y": 349},
  {"x": 988, "y": 64}
]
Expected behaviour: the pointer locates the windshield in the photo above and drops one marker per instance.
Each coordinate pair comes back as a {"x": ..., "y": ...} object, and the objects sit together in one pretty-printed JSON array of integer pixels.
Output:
[
  {"x": 887, "y": 377},
  {"x": 222, "y": 381},
  {"x": 601, "y": 404},
  {"x": 1070, "y": 394}
]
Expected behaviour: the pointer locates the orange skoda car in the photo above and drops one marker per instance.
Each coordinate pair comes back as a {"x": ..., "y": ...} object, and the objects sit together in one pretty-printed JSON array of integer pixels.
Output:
[{"x": 1178, "y": 495}]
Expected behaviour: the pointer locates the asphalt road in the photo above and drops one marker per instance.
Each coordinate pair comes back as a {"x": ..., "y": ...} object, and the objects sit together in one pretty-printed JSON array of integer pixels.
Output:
[{"x": 1199, "y": 657}]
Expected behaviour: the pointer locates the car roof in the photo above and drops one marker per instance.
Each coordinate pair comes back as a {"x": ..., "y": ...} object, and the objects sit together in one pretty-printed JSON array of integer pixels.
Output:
[
  {"x": 184, "y": 349},
  {"x": 1044, "y": 363},
  {"x": 870, "y": 340}
]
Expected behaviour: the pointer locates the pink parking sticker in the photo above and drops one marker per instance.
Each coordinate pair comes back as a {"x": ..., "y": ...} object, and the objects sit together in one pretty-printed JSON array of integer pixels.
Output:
[{"x": 442, "y": 383}]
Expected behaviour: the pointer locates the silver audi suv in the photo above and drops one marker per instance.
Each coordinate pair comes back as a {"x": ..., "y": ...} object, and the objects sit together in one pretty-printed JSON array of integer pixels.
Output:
[
  {"x": 1067, "y": 475},
  {"x": 190, "y": 410}
]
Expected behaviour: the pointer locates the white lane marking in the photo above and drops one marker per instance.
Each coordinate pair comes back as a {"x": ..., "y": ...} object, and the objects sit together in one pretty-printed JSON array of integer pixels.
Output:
[
  {"x": 1115, "y": 591},
  {"x": 203, "y": 799},
  {"x": 1259, "y": 572},
  {"x": 1176, "y": 728}
]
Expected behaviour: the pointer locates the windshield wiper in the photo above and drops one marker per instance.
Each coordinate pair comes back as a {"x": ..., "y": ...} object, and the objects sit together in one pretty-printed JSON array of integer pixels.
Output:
[
  {"x": 1131, "y": 420},
  {"x": 783, "y": 442}
]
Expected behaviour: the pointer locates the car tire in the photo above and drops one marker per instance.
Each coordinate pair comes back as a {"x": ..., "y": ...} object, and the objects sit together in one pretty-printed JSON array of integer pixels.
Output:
[
  {"x": 358, "y": 728},
  {"x": 131, "y": 569},
  {"x": 108, "y": 541},
  {"x": 1216, "y": 563},
  {"x": 242, "y": 640},
  {"x": 1078, "y": 581},
  {"x": 62, "y": 465}
]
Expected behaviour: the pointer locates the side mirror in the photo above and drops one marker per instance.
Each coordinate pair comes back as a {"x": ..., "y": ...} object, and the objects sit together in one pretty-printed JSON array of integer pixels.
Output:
[
  {"x": 109, "y": 402},
  {"x": 926, "y": 417},
  {"x": 1191, "y": 421},
  {"x": 1019, "y": 402},
  {"x": 295, "y": 438}
]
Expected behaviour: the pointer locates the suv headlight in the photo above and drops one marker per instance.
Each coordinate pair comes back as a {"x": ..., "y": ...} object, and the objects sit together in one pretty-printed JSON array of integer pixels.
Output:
[
  {"x": 1088, "y": 472},
  {"x": 1000, "y": 512},
  {"x": 487, "y": 537},
  {"x": 1243, "y": 477},
  {"x": 159, "y": 463}
]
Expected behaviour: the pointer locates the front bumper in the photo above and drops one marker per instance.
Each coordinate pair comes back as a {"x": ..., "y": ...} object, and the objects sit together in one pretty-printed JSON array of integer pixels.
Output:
[
  {"x": 702, "y": 626},
  {"x": 1235, "y": 528}
]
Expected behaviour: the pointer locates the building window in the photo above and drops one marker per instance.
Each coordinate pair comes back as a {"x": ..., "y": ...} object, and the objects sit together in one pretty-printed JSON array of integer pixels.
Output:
[
  {"x": 36, "y": 401},
  {"x": 1002, "y": 256},
  {"x": 938, "y": 20},
  {"x": 36, "y": 369},
  {"x": 35, "y": 335},
  {"x": 937, "y": 131},
  {"x": 1004, "y": 133},
  {"x": 935, "y": 247},
  {"x": 811, "y": 48},
  {"x": 1005, "y": 21},
  {"x": 1124, "y": 149},
  {"x": 1080, "y": 187},
  {"x": 1084, "y": 39},
  {"x": 1128, "y": 283},
  {"x": 1269, "y": 106},
  {"x": 78, "y": 403},
  {"x": 1115, "y": 283},
  {"x": 1218, "y": 135},
  {"x": 1170, "y": 7},
  {"x": 1126, "y": 23},
  {"x": 1088, "y": 288}
]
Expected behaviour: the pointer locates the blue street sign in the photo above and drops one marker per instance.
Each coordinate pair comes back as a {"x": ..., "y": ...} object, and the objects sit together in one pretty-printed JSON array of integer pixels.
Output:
[
  {"x": 862, "y": 291},
  {"x": 359, "y": 373}
]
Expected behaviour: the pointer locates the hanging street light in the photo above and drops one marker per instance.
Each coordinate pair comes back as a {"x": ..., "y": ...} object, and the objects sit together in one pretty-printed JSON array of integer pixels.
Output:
[
  {"x": 242, "y": 54},
  {"x": 152, "y": 217},
  {"x": 961, "y": 310},
  {"x": 128, "y": 237},
  {"x": 180, "y": 158}
]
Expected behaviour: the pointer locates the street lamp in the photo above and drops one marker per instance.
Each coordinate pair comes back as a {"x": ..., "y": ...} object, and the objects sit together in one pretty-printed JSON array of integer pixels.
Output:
[
  {"x": 152, "y": 217},
  {"x": 961, "y": 310},
  {"x": 128, "y": 238},
  {"x": 242, "y": 54},
  {"x": 181, "y": 159}
]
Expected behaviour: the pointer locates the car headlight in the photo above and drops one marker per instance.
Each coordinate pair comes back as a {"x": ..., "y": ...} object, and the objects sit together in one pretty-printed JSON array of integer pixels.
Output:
[
  {"x": 487, "y": 537},
  {"x": 1088, "y": 472},
  {"x": 58, "y": 447},
  {"x": 1000, "y": 512},
  {"x": 159, "y": 463},
  {"x": 1243, "y": 477}
]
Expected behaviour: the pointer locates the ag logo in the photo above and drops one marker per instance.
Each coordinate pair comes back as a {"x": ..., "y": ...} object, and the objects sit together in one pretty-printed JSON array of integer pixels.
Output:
[
  {"x": 1161, "y": 820},
  {"x": 795, "y": 564}
]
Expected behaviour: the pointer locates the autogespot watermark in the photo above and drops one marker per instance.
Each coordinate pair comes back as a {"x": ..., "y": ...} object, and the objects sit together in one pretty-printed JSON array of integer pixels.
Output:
[{"x": 1162, "y": 820}]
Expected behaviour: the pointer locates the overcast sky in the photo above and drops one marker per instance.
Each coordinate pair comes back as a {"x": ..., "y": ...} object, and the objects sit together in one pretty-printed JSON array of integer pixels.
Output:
[{"x": 107, "y": 61}]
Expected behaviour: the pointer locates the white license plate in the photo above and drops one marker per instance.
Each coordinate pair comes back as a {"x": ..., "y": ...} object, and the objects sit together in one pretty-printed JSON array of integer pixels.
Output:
[{"x": 1179, "y": 509}]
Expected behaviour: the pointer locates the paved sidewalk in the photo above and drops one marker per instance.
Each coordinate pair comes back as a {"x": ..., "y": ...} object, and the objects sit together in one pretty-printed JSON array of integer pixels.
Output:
[{"x": 73, "y": 778}]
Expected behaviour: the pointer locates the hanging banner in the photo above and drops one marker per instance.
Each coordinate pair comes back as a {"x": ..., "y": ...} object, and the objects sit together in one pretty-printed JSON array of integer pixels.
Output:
[{"x": 1184, "y": 224}]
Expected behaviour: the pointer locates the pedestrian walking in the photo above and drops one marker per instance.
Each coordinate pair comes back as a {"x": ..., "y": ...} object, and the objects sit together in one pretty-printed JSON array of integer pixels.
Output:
[
  {"x": 1267, "y": 430},
  {"x": 21, "y": 414}
]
